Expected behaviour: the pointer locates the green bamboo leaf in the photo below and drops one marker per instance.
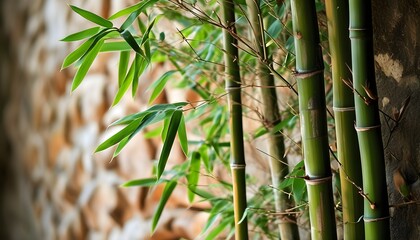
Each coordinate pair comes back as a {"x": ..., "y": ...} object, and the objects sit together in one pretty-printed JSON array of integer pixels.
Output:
[
  {"x": 203, "y": 194},
  {"x": 217, "y": 230},
  {"x": 165, "y": 129},
  {"x": 126, "y": 34},
  {"x": 193, "y": 174},
  {"x": 123, "y": 66},
  {"x": 76, "y": 54},
  {"x": 167, "y": 191},
  {"x": 125, "y": 84},
  {"x": 182, "y": 135},
  {"x": 215, "y": 213},
  {"x": 127, "y": 23},
  {"x": 141, "y": 65},
  {"x": 244, "y": 215},
  {"x": 169, "y": 141},
  {"x": 144, "y": 182},
  {"x": 139, "y": 6},
  {"x": 147, "y": 32},
  {"x": 81, "y": 35},
  {"x": 96, "y": 38},
  {"x": 92, "y": 17},
  {"x": 85, "y": 65},
  {"x": 203, "y": 149},
  {"x": 116, "y": 138},
  {"x": 117, "y": 46},
  {"x": 159, "y": 85},
  {"x": 155, "y": 108},
  {"x": 150, "y": 118}
]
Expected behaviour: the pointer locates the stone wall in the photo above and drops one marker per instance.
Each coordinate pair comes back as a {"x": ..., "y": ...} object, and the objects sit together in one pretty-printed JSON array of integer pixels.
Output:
[
  {"x": 53, "y": 187},
  {"x": 397, "y": 57}
]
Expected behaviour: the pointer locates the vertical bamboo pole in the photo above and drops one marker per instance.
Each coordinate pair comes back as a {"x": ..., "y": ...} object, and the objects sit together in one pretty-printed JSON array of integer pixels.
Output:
[
  {"x": 344, "y": 114},
  {"x": 287, "y": 225},
  {"x": 233, "y": 84},
  {"x": 376, "y": 210},
  {"x": 309, "y": 68}
]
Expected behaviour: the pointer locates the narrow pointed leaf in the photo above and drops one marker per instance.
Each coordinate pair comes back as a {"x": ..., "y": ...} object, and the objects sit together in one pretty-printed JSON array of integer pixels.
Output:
[
  {"x": 139, "y": 6},
  {"x": 193, "y": 174},
  {"x": 169, "y": 141},
  {"x": 85, "y": 65},
  {"x": 182, "y": 134},
  {"x": 127, "y": 23},
  {"x": 116, "y": 138},
  {"x": 96, "y": 39},
  {"x": 167, "y": 191},
  {"x": 144, "y": 182},
  {"x": 92, "y": 17},
  {"x": 132, "y": 42},
  {"x": 150, "y": 118},
  {"x": 76, "y": 54},
  {"x": 81, "y": 35},
  {"x": 141, "y": 65},
  {"x": 123, "y": 66},
  {"x": 125, "y": 84},
  {"x": 155, "y": 108},
  {"x": 159, "y": 85}
]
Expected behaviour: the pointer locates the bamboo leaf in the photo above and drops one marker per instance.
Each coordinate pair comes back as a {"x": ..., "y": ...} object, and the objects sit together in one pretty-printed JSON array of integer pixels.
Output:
[
  {"x": 144, "y": 182},
  {"x": 139, "y": 6},
  {"x": 117, "y": 46},
  {"x": 76, "y": 54},
  {"x": 141, "y": 65},
  {"x": 155, "y": 108},
  {"x": 217, "y": 230},
  {"x": 85, "y": 65},
  {"x": 92, "y": 17},
  {"x": 167, "y": 191},
  {"x": 169, "y": 141},
  {"x": 123, "y": 66},
  {"x": 116, "y": 138},
  {"x": 127, "y": 23},
  {"x": 81, "y": 35},
  {"x": 150, "y": 118},
  {"x": 182, "y": 135},
  {"x": 159, "y": 85},
  {"x": 96, "y": 38},
  {"x": 193, "y": 174},
  {"x": 125, "y": 84},
  {"x": 126, "y": 34}
]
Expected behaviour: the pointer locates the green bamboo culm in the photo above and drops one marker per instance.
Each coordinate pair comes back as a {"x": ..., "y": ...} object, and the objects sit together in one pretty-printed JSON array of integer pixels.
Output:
[
  {"x": 233, "y": 87},
  {"x": 313, "y": 118},
  {"x": 376, "y": 209},
  {"x": 278, "y": 162},
  {"x": 344, "y": 115}
]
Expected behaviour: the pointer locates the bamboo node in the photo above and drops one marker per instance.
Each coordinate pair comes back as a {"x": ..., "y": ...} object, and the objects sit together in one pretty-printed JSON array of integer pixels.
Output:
[
  {"x": 308, "y": 73},
  {"x": 237, "y": 166},
  {"x": 343, "y": 109},
  {"x": 364, "y": 129},
  {"x": 317, "y": 181},
  {"x": 376, "y": 219}
]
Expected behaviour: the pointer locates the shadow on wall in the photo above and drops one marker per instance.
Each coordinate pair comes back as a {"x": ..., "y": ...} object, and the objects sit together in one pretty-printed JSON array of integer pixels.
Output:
[{"x": 397, "y": 56}]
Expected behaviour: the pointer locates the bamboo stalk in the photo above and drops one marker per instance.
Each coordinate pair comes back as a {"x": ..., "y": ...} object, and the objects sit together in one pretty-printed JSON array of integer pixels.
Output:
[
  {"x": 344, "y": 114},
  {"x": 287, "y": 224},
  {"x": 376, "y": 210},
  {"x": 309, "y": 68},
  {"x": 233, "y": 87}
]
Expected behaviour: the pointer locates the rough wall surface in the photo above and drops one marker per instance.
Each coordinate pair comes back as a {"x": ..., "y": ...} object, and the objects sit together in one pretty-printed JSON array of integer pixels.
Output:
[
  {"x": 397, "y": 57},
  {"x": 52, "y": 187}
]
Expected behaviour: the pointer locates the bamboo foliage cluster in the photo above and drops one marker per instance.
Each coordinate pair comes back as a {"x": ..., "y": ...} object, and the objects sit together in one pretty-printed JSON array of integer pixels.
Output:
[{"x": 244, "y": 38}]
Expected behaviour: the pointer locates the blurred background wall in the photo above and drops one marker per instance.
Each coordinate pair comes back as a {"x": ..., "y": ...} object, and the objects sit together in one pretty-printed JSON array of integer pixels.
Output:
[{"x": 53, "y": 187}]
